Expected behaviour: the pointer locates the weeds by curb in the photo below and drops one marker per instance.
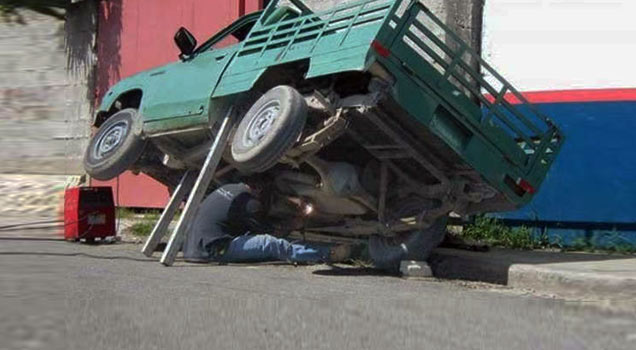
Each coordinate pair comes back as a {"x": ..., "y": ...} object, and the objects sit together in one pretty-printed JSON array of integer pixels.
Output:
[{"x": 493, "y": 232}]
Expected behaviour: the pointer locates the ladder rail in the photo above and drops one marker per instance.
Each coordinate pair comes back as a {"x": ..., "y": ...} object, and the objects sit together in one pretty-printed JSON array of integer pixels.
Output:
[
  {"x": 161, "y": 227},
  {"x": 197, "y": 191}
]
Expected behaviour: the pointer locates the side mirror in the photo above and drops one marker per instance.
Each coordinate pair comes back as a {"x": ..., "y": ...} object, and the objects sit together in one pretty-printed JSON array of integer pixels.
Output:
[{"x": 186, "y": 42}]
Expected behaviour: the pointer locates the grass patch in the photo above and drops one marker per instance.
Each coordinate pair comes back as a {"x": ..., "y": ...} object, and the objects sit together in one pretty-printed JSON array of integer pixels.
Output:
[
  {"x": 144, "y": 225},
  {"x": 142, "y": 229},
  {"x": 125, "y": 213},
  {"x": 491, "y": 231},
  {"x": 615, "y": 247},
  {"x": 144, "y": 220}
]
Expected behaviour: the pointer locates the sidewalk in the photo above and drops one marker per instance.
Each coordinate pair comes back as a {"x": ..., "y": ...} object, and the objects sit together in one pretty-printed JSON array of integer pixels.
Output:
[
  {"x": 29, "y": 199},
  {"x": 31, "y": 195},
  {"x": 565, "y": 275}
]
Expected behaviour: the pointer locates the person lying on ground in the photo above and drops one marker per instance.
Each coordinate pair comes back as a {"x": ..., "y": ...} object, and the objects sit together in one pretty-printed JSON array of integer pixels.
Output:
[{"x": 231, "y": 226}]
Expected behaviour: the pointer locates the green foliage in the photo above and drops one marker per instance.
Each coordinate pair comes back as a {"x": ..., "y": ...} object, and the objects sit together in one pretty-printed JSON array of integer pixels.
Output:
[
  {"x": 142, "y": 228},
  {"x": 617, "y": 243},
  {"x": 144, "y": 225},
  {"x": 9, "y": 9},
  {"x": 493, "y": 232},
  {"x": 125, "y": 213},
  {"x": 614, "y": 244},
  {"x": 623, "y": 248}
]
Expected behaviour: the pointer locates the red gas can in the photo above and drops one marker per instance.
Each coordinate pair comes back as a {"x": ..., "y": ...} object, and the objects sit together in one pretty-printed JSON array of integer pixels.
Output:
[{"x": 89, "y": 213}]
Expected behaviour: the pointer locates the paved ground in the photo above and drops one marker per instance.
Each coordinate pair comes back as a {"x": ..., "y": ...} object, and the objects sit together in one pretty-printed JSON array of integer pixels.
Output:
[
  {"x": 57, "y": 295},
  {"x": 610, "y": 277}
]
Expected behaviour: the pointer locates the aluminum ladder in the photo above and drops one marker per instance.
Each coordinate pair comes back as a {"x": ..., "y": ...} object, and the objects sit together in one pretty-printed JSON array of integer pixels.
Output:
[{"x": 194, "y": 184}]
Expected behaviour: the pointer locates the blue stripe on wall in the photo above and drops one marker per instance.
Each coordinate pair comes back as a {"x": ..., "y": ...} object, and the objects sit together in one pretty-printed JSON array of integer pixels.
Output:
[{"x": 593, "y": 180}]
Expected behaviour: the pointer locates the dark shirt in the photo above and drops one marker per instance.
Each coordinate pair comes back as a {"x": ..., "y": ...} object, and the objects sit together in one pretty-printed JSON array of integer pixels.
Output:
[{"x": 228, "y": 212}]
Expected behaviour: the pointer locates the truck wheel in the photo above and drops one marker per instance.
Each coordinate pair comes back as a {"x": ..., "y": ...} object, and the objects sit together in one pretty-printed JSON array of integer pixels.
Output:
[
  {"x": 115, "y": 147},
  {"x": 269, "y": 129},
  {"x": 387, "y": 253}
]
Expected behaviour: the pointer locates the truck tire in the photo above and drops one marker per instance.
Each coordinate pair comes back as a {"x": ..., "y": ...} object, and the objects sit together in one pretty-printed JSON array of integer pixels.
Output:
[
  {"x": 387, "y": 253},
  {"x": 115, "y": 147},
  {"x": 269, "y": 129}
]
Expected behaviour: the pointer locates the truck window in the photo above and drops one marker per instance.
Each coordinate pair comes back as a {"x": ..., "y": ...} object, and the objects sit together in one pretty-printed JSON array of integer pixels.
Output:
[
  {"x": 234, "y": 37},
  {"x": 232, "y": 34}
]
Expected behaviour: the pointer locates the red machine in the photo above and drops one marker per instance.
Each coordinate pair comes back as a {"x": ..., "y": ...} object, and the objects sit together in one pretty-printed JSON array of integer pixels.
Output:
[{"x": 89, "y": 213}]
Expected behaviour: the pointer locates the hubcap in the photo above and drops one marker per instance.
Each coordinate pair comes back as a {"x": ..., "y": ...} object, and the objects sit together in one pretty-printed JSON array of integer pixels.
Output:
[
  {"x": 110, "y": 139},
  {"x": 261, "y": 123}
]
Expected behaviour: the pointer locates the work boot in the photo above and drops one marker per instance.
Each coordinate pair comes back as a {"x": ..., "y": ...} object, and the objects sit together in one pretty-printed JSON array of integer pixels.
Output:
[{"x": 339, "y": 253}]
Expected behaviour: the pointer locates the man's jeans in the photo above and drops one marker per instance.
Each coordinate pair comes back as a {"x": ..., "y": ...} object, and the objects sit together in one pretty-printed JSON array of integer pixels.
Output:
[{"x": 257, "y": 248}]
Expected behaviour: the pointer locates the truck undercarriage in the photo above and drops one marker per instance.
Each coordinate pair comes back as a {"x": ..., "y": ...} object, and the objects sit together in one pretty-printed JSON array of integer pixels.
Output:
[{"x": 357, "y": 159}]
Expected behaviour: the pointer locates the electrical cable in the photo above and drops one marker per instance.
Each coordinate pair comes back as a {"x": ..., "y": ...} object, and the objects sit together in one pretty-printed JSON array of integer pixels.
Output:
[
  {"x": 25, "y": 225},
  {"x": 2, "y": 228},
  {"x": 20, "y": 225}
]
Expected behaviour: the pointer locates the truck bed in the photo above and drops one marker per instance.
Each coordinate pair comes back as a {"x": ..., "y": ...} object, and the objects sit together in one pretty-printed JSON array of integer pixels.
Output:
[{"x": 489, "y": 124}]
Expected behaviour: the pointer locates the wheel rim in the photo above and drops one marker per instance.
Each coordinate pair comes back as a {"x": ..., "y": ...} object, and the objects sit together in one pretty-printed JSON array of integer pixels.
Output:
[
  {"x": 260, "y": 125},
  {"x": 111, "y": 139}
]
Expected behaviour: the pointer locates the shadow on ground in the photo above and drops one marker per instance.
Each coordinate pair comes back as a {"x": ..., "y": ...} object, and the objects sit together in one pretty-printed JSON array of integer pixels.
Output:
[
  {"x": 351, "y": 271},
  {"x": 494, "y": 266}
]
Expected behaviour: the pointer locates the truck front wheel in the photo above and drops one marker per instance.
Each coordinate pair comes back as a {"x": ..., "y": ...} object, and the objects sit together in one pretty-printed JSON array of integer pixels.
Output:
[
  {"x": 115, "y": 147},
  {"x": 269, "y": 129}
]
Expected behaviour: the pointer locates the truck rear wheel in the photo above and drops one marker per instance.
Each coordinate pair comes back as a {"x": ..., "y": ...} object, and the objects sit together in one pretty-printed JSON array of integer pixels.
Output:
[
  {"x": 269, "y": 129},
  {"x": 115, "y": 147},
  {"x": 387, "y": 253}
]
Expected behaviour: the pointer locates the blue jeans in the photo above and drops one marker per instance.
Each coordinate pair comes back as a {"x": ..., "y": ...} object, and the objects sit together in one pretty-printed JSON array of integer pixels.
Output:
[{"x": 257, "y": 248}]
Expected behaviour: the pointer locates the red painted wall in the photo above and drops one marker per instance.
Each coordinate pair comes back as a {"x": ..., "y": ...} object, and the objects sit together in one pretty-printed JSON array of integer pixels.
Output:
[{"x": 135, "y": 35}]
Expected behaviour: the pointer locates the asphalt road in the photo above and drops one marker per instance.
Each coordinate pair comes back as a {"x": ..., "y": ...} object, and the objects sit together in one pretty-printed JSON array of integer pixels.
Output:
[{"x": 57, "y": 295}]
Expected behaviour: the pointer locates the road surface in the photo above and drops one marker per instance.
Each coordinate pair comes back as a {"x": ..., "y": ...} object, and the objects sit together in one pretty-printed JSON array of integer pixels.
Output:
[{"x": 58, "y": 295}]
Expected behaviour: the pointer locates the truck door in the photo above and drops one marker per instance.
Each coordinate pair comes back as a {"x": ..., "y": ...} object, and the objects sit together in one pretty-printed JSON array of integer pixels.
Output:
[{"x": 183, "y": 89}]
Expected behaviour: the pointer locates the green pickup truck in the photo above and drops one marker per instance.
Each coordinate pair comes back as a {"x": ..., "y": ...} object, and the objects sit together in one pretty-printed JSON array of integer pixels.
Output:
[{"x": 371, "y": 118}]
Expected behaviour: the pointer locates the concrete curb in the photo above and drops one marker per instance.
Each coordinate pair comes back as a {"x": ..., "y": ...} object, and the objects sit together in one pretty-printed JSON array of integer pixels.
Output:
[{"x": 565, "y": 275}]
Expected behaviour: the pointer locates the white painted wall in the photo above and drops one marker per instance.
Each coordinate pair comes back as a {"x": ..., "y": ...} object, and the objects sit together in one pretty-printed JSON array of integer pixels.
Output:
[{"x": 543, "y": 45}]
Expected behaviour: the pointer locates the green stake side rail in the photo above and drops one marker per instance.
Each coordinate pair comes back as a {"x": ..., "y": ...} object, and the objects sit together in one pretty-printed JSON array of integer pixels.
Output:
[{"x": 437, "y": 80}]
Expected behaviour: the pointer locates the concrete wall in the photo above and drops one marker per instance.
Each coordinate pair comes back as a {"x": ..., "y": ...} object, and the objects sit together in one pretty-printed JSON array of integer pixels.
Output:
[{"x": 46, "y": 91}]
